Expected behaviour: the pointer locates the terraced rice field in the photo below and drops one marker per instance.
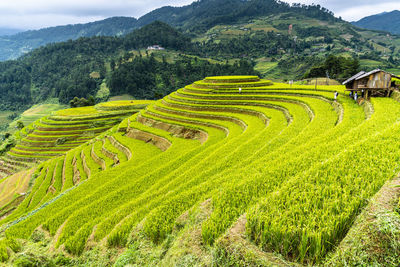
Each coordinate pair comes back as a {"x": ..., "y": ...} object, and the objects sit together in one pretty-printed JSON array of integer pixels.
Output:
[
  {"x": 54, "y": 135},
  {"x": 53, "y": 139},
  {"x": 290, "y": 167}
]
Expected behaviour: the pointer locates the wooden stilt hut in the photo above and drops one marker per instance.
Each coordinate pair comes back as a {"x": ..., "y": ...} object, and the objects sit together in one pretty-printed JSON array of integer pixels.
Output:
[{"x": 374, "y": 83}]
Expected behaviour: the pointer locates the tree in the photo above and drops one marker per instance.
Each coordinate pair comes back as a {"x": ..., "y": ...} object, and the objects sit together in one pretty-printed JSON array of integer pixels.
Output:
[
  {"x": 337, "y": 67},
  {"x": 82, "y": 102},
  {"x": 112, "y": 64},
  {"x": 20, "y": 125}
]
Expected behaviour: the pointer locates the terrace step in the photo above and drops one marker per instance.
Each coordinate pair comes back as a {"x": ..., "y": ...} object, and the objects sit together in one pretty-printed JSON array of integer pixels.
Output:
[
  {"x": 13, "y": 162},
  {"x": 38, "y": 155},
  {"x": 37, "y": 149},
  {"x": 97, "y": 158},
  {"x": 3, "y": 174},
  {"x": 110, "y": 154},
  {"x": 25, "y": 159},
  {"x": 120, "y": 147},
  {"x": 4, "y": 164},
  {"x": 85, "y": 166},
  {"x": 177, "y": 130}
]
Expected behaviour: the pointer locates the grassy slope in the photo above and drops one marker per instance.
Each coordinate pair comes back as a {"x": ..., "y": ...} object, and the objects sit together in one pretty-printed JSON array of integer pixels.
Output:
[
  {"x": 57, "y": 177},
  {"x": 34, "y": 113}
]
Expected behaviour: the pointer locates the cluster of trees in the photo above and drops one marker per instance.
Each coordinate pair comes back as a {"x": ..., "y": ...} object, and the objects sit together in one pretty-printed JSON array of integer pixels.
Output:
[
  {"x": 157, "y": 33},
  {"x": 293, "y": 67},
  {"x": 14, "y": 86},
  {"x": 335, "y": 67},
  {"x": 66, "y": 70},
  {"x": 145, "y": 77},
  {"x": 63, "y": 70},
  {"x": 257, "y": 44},
  {"x": 312, "y": 31},
  {"x": 82, "y": 102},
  {"x": 204, "y": 14}
]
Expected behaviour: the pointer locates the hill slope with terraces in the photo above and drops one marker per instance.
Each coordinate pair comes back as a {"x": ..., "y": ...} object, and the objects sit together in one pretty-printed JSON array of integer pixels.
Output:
[
  {"x": 230, "y": 170},
  {"x": 56, "y": 137}
]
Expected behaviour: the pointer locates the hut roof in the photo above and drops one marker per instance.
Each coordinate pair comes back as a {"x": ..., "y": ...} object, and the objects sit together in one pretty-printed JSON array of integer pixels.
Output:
[
  {"x": 373, "y": 72},
  {"x": 353, "y": 77}
]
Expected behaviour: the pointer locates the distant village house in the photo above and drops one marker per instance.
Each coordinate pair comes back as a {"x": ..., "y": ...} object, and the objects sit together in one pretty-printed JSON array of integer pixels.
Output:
[{"x": 155, "y": 47}]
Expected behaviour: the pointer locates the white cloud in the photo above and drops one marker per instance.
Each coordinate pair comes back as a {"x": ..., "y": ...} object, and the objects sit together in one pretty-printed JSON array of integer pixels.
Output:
[
  {"x": 28, "y": 14},
  {"x": 356, "y": 13},
  {"x": 36, "y": 21},
  {"x": 351, "y": 10}
]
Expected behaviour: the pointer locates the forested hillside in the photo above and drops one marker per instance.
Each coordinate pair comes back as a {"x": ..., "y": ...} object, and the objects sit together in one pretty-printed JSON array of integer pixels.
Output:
[
  {"x": 205, "y": 14},
  {"x": 13, "y": 46},
  {"x": 194, "y": 18},
  {"x": 78, "y": 68},
  {"x": 146, "y": 77},
  {"x": 210, "y": 38}
]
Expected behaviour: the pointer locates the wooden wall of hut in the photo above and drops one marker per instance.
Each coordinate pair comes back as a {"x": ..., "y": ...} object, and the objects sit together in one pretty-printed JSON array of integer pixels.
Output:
[{"x": 379, "y": 80}]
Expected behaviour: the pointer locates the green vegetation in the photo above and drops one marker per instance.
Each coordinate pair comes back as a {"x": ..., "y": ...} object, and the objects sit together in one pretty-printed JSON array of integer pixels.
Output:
[
  {"x": 396, "y": 81},
  {"x": 124, "y": 105},
  {"x": 207, "y": 14},
  {"x": 57, "y": 134},
  {"x": 146, "y": 77},
  {"x": 211, "y": 173},
  {"x": 229, "y": 170},
  {"x": 16, "y": 45},
  {"x": 335, "y": 67},
  {"x": 69, "y": 75},
  {"x": 211, "y": 38},
  {"x": 76, "y": 102},
  {"x": 34, "y": 113}
]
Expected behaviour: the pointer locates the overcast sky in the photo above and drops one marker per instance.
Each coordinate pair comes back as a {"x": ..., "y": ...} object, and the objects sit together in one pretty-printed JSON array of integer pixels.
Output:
[
  {"x": 352, "y": 10},
  {"x": 34, "y": 14}
]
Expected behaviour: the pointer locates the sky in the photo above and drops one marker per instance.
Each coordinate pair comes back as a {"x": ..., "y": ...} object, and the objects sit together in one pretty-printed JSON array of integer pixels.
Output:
[
  {"x": 353, "y": 10},
  {"x": 29, "y": 14}
]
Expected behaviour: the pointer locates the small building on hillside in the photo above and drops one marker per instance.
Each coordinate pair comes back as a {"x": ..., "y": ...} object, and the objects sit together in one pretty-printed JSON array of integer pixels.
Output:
[
  {"x": 374, "y": 83},
  {"x": 155, "y": 47}
]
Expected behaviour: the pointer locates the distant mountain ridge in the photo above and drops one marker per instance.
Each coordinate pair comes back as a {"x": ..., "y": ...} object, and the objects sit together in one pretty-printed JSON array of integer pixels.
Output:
[
  {"x": 8, "y": 31},
  {"x": 204, "y": 14},
  {"x": 13, "y": 46},
  {"x": 197, "y": 17},
  {"x": 386, "y": 21}
]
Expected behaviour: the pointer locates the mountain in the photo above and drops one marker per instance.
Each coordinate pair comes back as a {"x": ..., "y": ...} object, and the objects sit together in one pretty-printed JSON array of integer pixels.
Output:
[
  {"x": 9, "y": 31},
  {"x": 194, "y": 18},
  {"x": 81, "y": 67},
  {"x": 283, "y": 45},
  {"x": 203, "y": 14},
  {"x": 13, "y": 46},
  {"x": 387, "y": 21}
]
